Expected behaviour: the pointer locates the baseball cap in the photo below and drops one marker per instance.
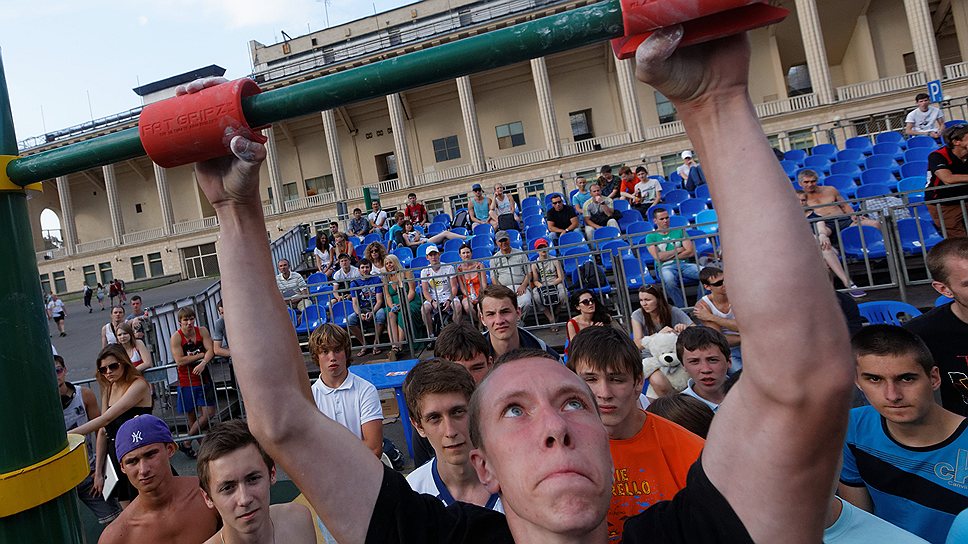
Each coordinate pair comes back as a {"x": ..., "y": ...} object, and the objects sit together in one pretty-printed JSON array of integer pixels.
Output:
[
  {"x": 501, "y": 235},
  {"x": 540, "y": 242},
  {"x": 687, "y": 154},
  {"x": 430, "y": 249},
  {"x": 476, "y": 187},
  {"x": 141, "y": 431}
]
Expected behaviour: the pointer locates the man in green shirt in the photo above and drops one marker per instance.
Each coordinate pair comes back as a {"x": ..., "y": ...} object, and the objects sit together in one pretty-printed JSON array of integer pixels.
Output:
[{"x": 670, "y": 249}]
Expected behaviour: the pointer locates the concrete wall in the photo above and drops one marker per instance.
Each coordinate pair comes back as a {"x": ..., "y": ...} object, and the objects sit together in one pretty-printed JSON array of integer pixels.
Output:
[
  {"x": 860, "y": 61},
  {"x": 890, "y": 36}
]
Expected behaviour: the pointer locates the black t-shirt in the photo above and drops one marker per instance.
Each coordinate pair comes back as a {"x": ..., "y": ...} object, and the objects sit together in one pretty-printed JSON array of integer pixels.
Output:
[
  {"x": 947, "y": 338},
  {"x": 945, "y": 159},
  {"x": 698, "y": 514},
  {"x": 562, "y": 218}
]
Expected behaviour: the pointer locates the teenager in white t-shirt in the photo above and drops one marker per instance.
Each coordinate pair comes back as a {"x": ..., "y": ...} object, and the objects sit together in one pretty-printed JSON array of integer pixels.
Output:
[{"x": 925, "y": 120}]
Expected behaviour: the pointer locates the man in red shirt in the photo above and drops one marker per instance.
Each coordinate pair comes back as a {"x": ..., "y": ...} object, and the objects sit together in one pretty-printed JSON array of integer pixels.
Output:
[{"x": 416, "y": 211}]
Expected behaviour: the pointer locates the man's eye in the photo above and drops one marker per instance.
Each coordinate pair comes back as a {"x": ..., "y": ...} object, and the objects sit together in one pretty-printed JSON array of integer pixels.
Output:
[
  {"x": 574, "y": 404},
  {"x": 513, "y": 411}
]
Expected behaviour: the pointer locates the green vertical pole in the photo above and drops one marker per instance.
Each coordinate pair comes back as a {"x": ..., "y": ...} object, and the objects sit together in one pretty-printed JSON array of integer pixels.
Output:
[{"x": 31, "y": 419}]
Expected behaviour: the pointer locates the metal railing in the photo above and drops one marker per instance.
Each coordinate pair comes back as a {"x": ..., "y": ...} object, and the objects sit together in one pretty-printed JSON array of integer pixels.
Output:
[
  {"x": 518, "y": 159},
  {"x": 452, "y": 172},
  {"x": 881, "y": 86},
  {"x": 787, "y": 105},
  {"x": 597, "y": 144},
  {"x": 95, "y": 245},
  {"x": 143, "y": 235},
  {"x": 51, "y": 254}
]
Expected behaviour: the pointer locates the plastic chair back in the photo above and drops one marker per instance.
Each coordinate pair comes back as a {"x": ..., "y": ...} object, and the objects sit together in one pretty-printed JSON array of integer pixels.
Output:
[
  {"x": 887, "y": 312},
  {"x": 914, "y": 168},
  {"x": 922, "y": 141}
]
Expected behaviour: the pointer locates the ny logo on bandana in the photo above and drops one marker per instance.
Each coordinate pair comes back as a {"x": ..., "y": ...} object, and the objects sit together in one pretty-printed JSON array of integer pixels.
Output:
[{"x": 136, "y": 437}]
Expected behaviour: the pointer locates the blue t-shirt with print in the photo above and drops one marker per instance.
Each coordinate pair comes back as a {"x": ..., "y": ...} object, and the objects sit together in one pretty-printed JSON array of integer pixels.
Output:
[{"x": 365, "y": 290}]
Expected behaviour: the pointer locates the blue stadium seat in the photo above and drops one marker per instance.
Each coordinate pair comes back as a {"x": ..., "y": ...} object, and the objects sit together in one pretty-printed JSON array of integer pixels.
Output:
[
  {"x": 669, "y": 186},
  {"x": 418, "y": 228},
  {"x": 707, "y": 221},
  {"x": 461, "y": 231},
  {"x": 533, "y": 211},
  {"x": 820, "y": 163},
  {"x": 640, "y": 227},
  {"x": 450, "y": 257},
  {"x": 918, "y": 154},
  {"x": 667, "y": 207},
  {"x": 913, "y": 183},
  {"x": 405, "y": 254},
  {"x": 855, "y": 156},
  {"x": 605, "y": 234},
  {"x": 360, "y": 249},
  {"x": 629, "y": 217},
  {"x": 419, "y": 262},
  {"x": 893, "y": 137},
  {"x": 873, "y": 189},
  {"x": 922, "y": 141},
  {"x": 485, "y": 229},
  {"x": 312, "y": 317},
  {"x": 913, "y": 240},
  {"x": 790, "y": 167},
  {"x": 872, "y": 244},
  {"x": 481, "y": 253},
  {"x": 882, "y": 161},
  {"x": 674, "y": 177},
  {"x": 534, "y": 221},
  {"x": 703, "y": 245},
  {"x": 372, "y": 237},
  {"x": 621, "y": 205},
  {"x": 887, "y": 312},
  {"x": 889, "y": 148},
  {"x": 954, "y": 122},
  {"x": 675, "y": 197},
  {"x": 574, "y": 258},
  {"x": 703, "y": 192},
  {"x": 514, "y": 236},
  {"x": 316, "y": 278},
  {"x": 436, "y": 228},
  {"x": 795, "y": 155},
  {"x": 877, "y": 175},
  {"x": 915, "y": 168},
  {"x": 453, "y": 245},
  {"x": 942, "y": 300},
  {"x": 678, "y": 222},
  {"x": 843, "y": 183},
  {"x": 311, "y": 246},
  {"x": 482, "y": 240},
  {"x": 846, "y": 168},
  {"x": 614, "y": 247},
  {"x": 535, "y": 232},
  {"x": 421, "y": 248},
  {"x": 636, "y": 275},
  {"x": 531, "y": 201},
  {"x": 442, "y": 218},
  {"x": 355, "y": 240},
  {"x": 341, "y": 311},
  {"x": 824, "y": 149},
  {"x": 860, "y": 143},
  {"x": 573, "y": 237},
  {"x": 662, "y": 179},
  {"x": 690, "y": 207},
  {"x": 293, "y": 317},
  {"x": 600, "y": 291}
]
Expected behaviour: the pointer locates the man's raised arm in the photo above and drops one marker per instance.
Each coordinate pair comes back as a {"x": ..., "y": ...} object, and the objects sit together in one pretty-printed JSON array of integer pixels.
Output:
[
  {"x": 337, "y": 473},
  {"x": 774, "y": 446}
]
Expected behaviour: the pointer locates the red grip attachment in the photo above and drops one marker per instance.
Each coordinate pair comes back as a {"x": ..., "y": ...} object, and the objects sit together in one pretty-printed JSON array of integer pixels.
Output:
[
  {"x": 702, "y": 20},
  {"x": 198, "y": 126}
]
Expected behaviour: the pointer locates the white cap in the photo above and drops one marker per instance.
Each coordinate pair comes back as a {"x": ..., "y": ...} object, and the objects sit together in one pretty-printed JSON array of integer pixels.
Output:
[
  {"x": 687, "y": 154},
  {"x": 430, "y": 249}
]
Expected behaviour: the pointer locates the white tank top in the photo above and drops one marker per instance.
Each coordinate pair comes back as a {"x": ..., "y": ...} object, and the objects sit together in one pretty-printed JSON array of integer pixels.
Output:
[
  {"x": 715, "y": 311},
  {"x": 503, "y": 206},
  {"x": 75, "y": 415}
]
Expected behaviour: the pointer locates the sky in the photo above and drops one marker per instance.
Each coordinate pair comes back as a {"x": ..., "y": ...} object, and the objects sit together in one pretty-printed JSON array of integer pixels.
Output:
[{"x": 68, "y": 62}]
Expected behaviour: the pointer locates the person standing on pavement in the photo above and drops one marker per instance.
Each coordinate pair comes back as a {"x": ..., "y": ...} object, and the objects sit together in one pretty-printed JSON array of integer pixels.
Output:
[{"x": 57, "y": 312}]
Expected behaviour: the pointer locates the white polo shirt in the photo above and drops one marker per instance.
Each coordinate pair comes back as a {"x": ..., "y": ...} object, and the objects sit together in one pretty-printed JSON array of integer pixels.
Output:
[
  {"x": 692, "y": 393},
  {"x": 352, "y": 404},
  {"x": 426, "y": 479}
]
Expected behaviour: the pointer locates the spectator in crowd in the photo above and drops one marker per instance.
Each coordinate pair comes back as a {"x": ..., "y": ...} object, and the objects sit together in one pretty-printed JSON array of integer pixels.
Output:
[
  {"x": 99, "y": 292},
  {"x": 581, "y": 196},
  {"x": 88, "y": 294},
  {"x": 359, "y": 225},
  {"x": 598, "y": 212},
  {"x": 589, "y": 312},
  {"x": 607, "y": 182},
  {"x": 438, "y": 286},
  {"x": 139, "y": 319},
  {"x": 547, "y": 282},
  {"x": 378, "y": 218},
  {"x": 647, "y": 450},
  {"x": 924, "y": 120},
  {"x": 191, "y": 347},
  {"x": 626, "y": 184},
  {"x": 670, "y": 248},
  {"x": 500, "y": 314},
  {"x": 367, "y": 298},
  {"x": 463, "y": 344},
  {"x": 292, "y": 286},
  {"x": 124, "y": 395},
  {"x": 688, "y": 412},
  {"x": 412, "y": 238},
  {"x": 531, "y": 429},
  {"x": 344, "y": 276},
  {"x": 137, "y": 351},
  {"x": 945, "y": 329},
  {"x": 648, "y": 191},
  {"x": 511, "y": 268},
  {"x": 716, "y": 312},
  {"x": 904, "y": 452},
  {"x": 113, "y": 291},
  {"x": 342, "y": 245},
  {"x": 109, "y": 332},
  {"x": 655, "y": 315},
  {"x": 480, "y": 205},
  {"x": 949, "y": 166},
  {"x": 471, "y": 280},
  {"x": 696, "y": 178},
  {"x": 416, "y": 211},
  {"x": 688, "y": 161},
  {"x": 341, "y": 395},
  {"x": 324, "y": 256},
  {"x": 704, "y": 353},
  {"x": 830, "y": 256},
  {"x": 80, "y": 406},
  {"x": 168, "y": 506},
  {"x": 826, "y": 201},
  {"x": 57, "y": 312},
  {"x": 398, "y": 220},
  {"x": 401, "y": 296},
  {"x": 235, "y": 475},
  {"x": 438, "y": 393},
  {"x": 375, "y": 253},
  {"x": 333, "y": 231},
  {"x": 561, "y": 218},
  {"x": 220, "y": 340},
  {"x": 503, "y": 205}
]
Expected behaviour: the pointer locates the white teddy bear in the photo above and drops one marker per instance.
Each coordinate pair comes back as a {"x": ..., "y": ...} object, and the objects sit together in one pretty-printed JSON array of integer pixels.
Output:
[{"x": 662, "y": 346}]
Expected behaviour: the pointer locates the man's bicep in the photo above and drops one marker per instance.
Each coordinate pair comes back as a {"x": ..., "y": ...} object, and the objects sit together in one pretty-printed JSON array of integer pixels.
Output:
[{"x": 858, "y": 495}]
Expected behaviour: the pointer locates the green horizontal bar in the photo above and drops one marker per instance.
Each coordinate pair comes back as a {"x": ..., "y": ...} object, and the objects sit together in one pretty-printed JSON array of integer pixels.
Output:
[{"x": 543, "y": 36}]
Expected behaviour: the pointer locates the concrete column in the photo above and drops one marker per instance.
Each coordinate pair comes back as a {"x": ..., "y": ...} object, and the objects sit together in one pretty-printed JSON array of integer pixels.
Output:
[
  {"x": 922, "y": 36},
  {"x": 471, "y": 128},
  {"x": 546, "y": 107},
  {"x": 164, "y": 197},
  {"x": 68, "y": 225},
  {"x": 815, "y": 49},
  {"x": 335, "y": 159},
  {"x": 625, "y": 69},
  {"x": 114, "y": 205},
  {"x": 398, "y": 123},
  {"x": 275, "y": 174},
  {"x": 959, "y": 14}
]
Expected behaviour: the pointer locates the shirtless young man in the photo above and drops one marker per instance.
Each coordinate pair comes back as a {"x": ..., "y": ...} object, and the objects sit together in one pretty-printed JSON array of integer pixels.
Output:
[
  {"x": 827, "y": 199},
  {"x": 763, "y": 475},
  {"x": 168, "y": 508}
]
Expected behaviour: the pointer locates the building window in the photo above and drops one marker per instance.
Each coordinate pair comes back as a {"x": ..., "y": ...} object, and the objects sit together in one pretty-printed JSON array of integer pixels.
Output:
[
  {"x": 386, "y": 166},
  {"x": 107, "y": 275},
  {"x": 60, "y": 282},
  {"x": 801, "y": 139},
  {"x": 670, "y": 163},
  {"x": 879, "y": 123},
  {"x": 138, "y": 208},
  {"x": 290, "y": 192},
  {"x": 329, "y": 56},
  {"x": 319, "y": 185},
  {"x": 446, "y": 149},
  {"x": 434, "y": 207},
  {"x": 155, "y": 266},
  {"x": 138, "y": 267},
  {"x": 458, "y": 201},
  {"x": 774, "y": 141},
  {"x": 798, "y": 80},
  {"x": 464, "y": 17},
  {"x": 665, "y": 109},
  {"x": 581, "y": 125},
  {"x": 394, "y": 35},
  {"x": 45, "y": 283},
  {"x": 200, "y": 261},
  {"x": 910, "y": 63},
  {"x": 535, "y": 187},
  {"x": 90, "y": 277},
  {"x": 510, "y": 135}
]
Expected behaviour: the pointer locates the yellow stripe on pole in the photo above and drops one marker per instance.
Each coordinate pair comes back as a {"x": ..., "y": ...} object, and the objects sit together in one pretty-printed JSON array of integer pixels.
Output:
[
  {"x": 7, "y": 185},
  {"x": 42, "y": 482}
]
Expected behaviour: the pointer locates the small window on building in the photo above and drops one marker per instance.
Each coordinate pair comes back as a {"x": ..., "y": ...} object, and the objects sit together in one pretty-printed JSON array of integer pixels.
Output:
[
  {"x": 581, "y": 125},
  {"x": 798, "y": 80},
  {"x": 200, "y": 261},
  {"x": 329, "y": 56},
  {"x": 464, "y": 17},
  {"x": 155, "y": 266},
  {"x": 434, "y": 207},
  {"x": 774, "y": 141},
  {"x": 535, "y": 187},
  {"x": 510, "y": 135},
  {"x": 320, "y": 184},
  {"x": 138, "y": 267},
  {"x": 90, "y": 276},
  {"x": 45, "y": 283},
  {"x": 290, "y": 192},
  {"x": 107, "y": 275},
  {"x": 137, "y": 208},
  {"x": 910, "y": 63},
  {"x": 60, "y": 282},
  {"x": 458, "y": 201},
  {"x": 313, "y": 41},
  {"x": 801, "y": 139},
  {"x": 670, "y": 163},
  {"x": 386, "y": 166},
  {"x": 446, "y": 149},
  {"x": 394, "y": 35},
  {"x": 667, "y": 112}
]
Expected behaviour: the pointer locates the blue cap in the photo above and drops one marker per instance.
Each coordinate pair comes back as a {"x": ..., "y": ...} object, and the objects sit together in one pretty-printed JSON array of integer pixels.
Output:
[{"x": 141, "y": 431}]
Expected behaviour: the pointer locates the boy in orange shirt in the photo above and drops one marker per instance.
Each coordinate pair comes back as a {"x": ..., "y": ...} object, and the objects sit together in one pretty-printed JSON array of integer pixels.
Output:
[{"x": 651, "y": 455}]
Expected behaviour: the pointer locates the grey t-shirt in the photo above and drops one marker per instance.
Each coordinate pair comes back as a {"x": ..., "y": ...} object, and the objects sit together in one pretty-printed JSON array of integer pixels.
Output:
[
  {"x": 678, "y": 318},
  {"x": 218, "y": 332}
]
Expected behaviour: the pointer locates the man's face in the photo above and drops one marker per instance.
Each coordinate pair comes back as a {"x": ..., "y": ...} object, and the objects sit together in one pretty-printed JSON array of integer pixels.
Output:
[
  {"x": 433, "y": 258},
  {"x": 803, "y": 198},
  {"x": 580, "y": 183},
  {"x": 477, "y": 366},
  {"x": 504, "y": 244},
  {"x": 500, "y": 316},
  {"x": 332, "y": 365},
  {"x": 187, "y": 323},
  {"x": 557, "y": 203},
  {"x": 595, "y": 190},
  {"x": 136, "y": 306},
  {"x": 707, "y": 367},
  {"x": 334, "y": 227},
  {"x": 412, "y": 199},
  {"x": 642, "y": 176},
  {"x": 376, "y": 205},
  {"x": 61, "y": 373},
  {"x": 809, "y": 184},
  {"x": 365, "y": 269},
  {"x": 717, "y": 285},
  {"x": 626, "y": 176},
  {"x": 924, "y": 103},
  {"x": 284, "y": 268},
  {"x": 117, "y": 314},
  {"x": 687, "y": 160},
  {"x": 444, "y": 422},
  {"x": 545, "y": 448},
  {"x": 957, "y": 285},
  {"x": 897, "y": 386},
  {"x": 344, "y": 263},
  {"x": 221, "y": 311},
  {"x": 147, "y": 467},
  {"x": 661, "y": 220},
  {"x": 357, "y": 213},
  {"x": 239, "y": 484},
  {"x": 617, "y": 394}
]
